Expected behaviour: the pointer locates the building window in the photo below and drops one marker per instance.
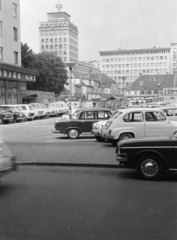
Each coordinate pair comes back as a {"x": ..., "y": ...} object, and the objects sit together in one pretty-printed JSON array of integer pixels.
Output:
[
  {"x": 1, "y": 53},
  {"x": 42, "y": 47},
  {"x": 0, "y": 28},
  {"x": 51, "y": 40},
  {"x": 51, "y": 46},
  {"x": 15, "y": 57},
  {"x": 15, "y": 34},
  {"x": 42, "y": 40},
  {"x": 55, "y": 40},
  {"x": 47, "y": 40},
  {"x": 14, "y": 10}
]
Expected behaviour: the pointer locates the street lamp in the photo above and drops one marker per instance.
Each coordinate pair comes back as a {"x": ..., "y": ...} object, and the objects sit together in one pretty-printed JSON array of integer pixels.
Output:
[
  {"x": 124, "y": 78},
  {"x": 70, "y": 65}
]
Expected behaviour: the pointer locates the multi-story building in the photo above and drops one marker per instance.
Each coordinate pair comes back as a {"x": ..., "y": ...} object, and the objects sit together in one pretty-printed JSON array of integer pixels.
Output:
[
  {"x": 125, "y": 66},
  {"x": 59, "y": 35},
  {"x": 13, "y": 78}
]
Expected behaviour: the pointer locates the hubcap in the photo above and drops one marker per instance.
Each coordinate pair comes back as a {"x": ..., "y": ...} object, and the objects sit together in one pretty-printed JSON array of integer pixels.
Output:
[
  {"x": 126, "y": 137},
  {"x": 149, "y": 167},
  {"x": 73, "y": 133}
]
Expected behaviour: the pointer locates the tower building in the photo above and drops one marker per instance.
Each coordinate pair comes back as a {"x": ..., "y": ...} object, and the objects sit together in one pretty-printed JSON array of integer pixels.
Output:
[{"x": 59, "y": 35}]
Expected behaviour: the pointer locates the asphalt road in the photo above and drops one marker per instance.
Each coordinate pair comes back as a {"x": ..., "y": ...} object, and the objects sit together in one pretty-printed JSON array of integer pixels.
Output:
[
  {"x": 35, "y": 142},
  {"x": 42, "y": 203},
  {"x": 50, "y": 202}
]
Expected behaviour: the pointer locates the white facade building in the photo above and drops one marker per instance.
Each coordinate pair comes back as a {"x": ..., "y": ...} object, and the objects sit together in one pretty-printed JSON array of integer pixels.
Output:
[
  {"x": 125, "y": 66},
  {"x": 60, "y": 36}
]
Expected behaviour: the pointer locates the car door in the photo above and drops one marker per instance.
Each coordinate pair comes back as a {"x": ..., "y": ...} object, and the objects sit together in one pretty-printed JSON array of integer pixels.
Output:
[
  {"x": 133, "y": 122},
  {"x": 86, "y": 119},
  {"x": 156, "y": 124}
]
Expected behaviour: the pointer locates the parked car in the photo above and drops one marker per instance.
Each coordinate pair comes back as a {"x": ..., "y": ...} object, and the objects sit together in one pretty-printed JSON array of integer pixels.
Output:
[
  {"x": 39, "y": 109},
  {"x": 149, "y": 156},
  {"x": 7, "y": 160},
  {"x": 137, "y": 123},
  {"x": 5, "y": 117},
  {"x": 17, "y": 115},
  {"x": 97, "y": 128},
  {"x": 81, "y": 121},
  {"x": 27, "y": 110}
]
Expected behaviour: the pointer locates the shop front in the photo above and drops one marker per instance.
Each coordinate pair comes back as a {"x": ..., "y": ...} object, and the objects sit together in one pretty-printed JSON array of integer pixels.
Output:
[{"x": 13, "y": 81}]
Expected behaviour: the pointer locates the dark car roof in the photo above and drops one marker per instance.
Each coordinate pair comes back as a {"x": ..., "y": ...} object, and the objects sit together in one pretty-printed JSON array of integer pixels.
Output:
[{"x": 94, "y": 109}]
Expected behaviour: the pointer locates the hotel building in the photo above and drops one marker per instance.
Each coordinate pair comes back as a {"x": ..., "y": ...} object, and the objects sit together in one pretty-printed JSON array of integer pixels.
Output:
[
  {"x": 124, "y": 66},
  {"x": 13, "y": 77},
  {"x": 59, "y": 35}
]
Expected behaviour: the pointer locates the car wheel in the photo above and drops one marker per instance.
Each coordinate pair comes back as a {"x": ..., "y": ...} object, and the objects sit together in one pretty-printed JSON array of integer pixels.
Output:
[
  {"x": 100, "y": 139},
  {"x": 149, "y": 167},
  {"x": 125, "y": 136},
  {"x": 73, "y": 133}
]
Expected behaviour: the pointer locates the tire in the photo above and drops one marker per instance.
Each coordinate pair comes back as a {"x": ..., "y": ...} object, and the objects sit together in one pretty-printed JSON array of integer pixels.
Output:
[
  {"x": 99, "y": 139},
  {"x": 125, "y": 136},
  {"x": 149, "y": 167},
  {"x": 73, "y": 133}
]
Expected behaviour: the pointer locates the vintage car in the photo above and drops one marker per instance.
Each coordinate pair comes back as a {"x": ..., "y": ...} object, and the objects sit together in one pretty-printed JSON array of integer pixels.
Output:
[
  {"x": 97, "y": 128},
  {"x": 28, "y": 111},
  {"x": 5, "y": 117},
  {"x": 7, "y": 160},
  {"x": 149, "y": 156},
  {"x": 17, "y": 115},
  {"x": 81, "y": 121},
  {"x": 170, "y": 112},
  {"x": 137, "y": 123}
]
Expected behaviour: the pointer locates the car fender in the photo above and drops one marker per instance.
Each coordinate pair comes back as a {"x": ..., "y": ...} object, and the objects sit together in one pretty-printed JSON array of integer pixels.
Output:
[
  {"x": 73, "y": 128},
  {"x": 118, "y": 131},
  {"x": 142, "y": 152}
]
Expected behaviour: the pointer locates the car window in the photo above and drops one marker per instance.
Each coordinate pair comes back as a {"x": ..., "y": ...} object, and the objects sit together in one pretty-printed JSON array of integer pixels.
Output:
[
  {"x": 154, "y": 116},
  {"x": 175, "y": 112},
  {"x": 31, "y": 107},
  {"x": 103, "y": 114},
  {"x": 24, "y": 107},
  {"x": 168, "y": 112},
  {"x": 3, "y": 110},
  {"x": 133, "y": 117},
  {"x": 89, "y": 115}
]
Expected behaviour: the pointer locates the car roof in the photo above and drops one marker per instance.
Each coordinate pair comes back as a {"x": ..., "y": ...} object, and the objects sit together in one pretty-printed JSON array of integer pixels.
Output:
[
  {"x": 94, "y": 109},
  {"x": 167, "y": 107},
  {"x": 126, "y": 110}
]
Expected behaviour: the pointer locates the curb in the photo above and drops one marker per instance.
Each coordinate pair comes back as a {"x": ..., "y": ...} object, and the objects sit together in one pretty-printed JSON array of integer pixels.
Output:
[{"x": 98, "y": 165}]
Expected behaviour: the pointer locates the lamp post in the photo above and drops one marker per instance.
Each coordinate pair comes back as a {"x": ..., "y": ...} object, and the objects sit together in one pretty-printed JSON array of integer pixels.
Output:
[
  {"x": 70, "y": 65},
  {"x": 124, "y": 78}
]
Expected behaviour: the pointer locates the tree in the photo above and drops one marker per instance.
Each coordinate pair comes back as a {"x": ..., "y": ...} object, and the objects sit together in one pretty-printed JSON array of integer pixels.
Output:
[{"x": 52, "y": 71}]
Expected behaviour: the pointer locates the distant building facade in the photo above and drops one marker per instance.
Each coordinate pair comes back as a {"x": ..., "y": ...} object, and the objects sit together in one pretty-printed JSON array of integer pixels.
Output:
[
  {"x": 13, "y": 77},
  {"x": 124, "y": 66},
  {"x": 59, "y": 35}
]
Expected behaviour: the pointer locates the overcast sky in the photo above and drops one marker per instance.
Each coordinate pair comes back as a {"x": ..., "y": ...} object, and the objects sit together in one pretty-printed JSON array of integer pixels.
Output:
[{"x": 106, "y": 24}]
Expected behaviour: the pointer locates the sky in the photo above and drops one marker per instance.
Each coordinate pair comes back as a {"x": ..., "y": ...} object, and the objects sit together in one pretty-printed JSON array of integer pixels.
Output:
[{"x": 106, "y": 24}]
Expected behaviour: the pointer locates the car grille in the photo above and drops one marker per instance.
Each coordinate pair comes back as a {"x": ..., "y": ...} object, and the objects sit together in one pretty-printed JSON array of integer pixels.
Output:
[{"x": 31, "y": 114}]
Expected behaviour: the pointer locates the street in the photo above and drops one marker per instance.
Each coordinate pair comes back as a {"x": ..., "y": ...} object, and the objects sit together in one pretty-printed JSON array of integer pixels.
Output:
[{"x": 71, "y": 202}]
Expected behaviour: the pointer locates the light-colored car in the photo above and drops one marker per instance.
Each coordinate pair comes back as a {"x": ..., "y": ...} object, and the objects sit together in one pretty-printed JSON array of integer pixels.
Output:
[
  {"x": 137, "y": 123},
  {"x": 40, "y": 110},
  {"x": 97, "y": 127},
  {"x": 28, "y": 111}
]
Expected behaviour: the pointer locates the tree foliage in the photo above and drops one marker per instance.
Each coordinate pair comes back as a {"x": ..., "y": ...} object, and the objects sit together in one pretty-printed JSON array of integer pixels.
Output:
[{"x": 52, "y": 71}]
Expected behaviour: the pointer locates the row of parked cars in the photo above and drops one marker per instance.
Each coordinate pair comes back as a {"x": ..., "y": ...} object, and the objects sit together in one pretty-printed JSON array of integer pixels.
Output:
[
  {"x": 21, "y": 112},
  {"x": 145, "y": 138}
]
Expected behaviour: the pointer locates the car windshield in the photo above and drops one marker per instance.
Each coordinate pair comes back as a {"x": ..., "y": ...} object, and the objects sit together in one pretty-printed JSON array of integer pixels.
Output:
[{"x": 20, "y": 108}]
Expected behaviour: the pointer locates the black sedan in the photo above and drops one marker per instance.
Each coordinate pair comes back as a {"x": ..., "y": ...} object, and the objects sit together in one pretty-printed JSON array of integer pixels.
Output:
[
  {"x": 81, "y": 121},
  {"x": 149, "y": 156}
]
